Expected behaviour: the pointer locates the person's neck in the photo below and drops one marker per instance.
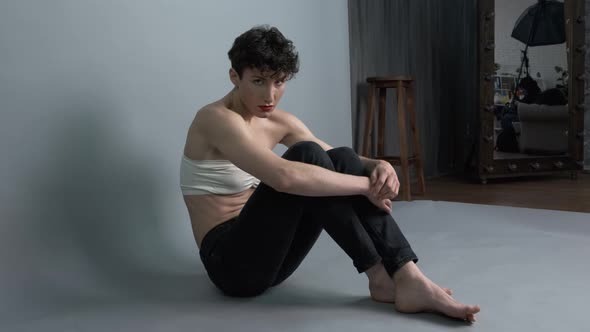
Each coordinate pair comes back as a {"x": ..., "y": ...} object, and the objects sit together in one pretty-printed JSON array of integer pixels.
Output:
[{"x": 235, "y": 104}]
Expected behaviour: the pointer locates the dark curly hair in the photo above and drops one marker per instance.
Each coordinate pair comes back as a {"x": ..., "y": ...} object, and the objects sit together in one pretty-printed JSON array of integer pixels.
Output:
[{"x": 266, "y": 49}]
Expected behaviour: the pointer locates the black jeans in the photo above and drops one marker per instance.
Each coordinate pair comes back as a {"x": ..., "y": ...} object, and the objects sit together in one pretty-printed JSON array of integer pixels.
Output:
[{"x": 274, "y": 231}]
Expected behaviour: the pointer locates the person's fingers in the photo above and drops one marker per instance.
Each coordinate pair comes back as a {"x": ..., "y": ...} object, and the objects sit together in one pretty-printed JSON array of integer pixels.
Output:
[
  {"x": 388, "y": 188},
  {"x": 387, "y": 204},
  {"x": 373, "y": 178},
  {"x": 380, "y": 184},
  {"x": 380, "y": 203},
  {"x": 384, "y": 187},
  {"x": 396, "y": 188},
  {"x": 391, "y": 181},
  {"x": 384, "y": 207},
  {"x": 388, "y": 195}
]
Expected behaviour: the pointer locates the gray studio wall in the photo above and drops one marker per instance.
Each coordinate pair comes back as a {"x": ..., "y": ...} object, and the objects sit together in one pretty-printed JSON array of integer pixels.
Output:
[{"x": 95, "y": 101}]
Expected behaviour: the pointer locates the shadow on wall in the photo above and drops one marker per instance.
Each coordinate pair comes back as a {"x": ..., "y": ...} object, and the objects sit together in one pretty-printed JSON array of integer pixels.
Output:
[{"x": 97, "y": 228}]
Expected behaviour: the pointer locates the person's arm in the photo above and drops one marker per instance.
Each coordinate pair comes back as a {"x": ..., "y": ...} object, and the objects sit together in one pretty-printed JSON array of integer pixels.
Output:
[
  {"x": 298, "y": 131},
  {"x": 227, "y": 131},
  {"x": 383, "y": 180}
]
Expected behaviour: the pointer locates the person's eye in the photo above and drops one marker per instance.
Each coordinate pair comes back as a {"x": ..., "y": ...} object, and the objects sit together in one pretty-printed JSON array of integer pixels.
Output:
[
  {"x": 279, "y": 83},
  {"x": 257, "y": 82}
]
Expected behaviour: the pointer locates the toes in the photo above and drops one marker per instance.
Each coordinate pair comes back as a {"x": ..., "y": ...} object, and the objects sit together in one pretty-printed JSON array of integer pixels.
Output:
[
  {"x": 473, "y": 309},
  {"x": 448, "y": 291},
  {"x": 470, "y": 312},
  {"x": 462, "y": 311}
]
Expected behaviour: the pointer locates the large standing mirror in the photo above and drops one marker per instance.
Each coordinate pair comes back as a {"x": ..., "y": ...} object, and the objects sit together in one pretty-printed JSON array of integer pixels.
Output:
[{"x": 531, "y": 65}]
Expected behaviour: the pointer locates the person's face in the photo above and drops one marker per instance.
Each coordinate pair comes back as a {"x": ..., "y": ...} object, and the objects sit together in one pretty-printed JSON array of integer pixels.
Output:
[{"x": 259, "y": 92}]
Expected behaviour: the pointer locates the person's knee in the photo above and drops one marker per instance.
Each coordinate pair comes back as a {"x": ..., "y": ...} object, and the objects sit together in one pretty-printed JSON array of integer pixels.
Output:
[
  {"x": 245, "y": 286},
  {"x": 346, "y": 160},
  {"x": 343, "y": 152},
  {"x": 308, "y": 152},
  {"x": 305, "y": 147}
]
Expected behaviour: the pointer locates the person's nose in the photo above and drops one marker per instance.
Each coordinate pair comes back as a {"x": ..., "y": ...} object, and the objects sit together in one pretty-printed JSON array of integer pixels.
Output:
[{"x": 269, "y": 93}]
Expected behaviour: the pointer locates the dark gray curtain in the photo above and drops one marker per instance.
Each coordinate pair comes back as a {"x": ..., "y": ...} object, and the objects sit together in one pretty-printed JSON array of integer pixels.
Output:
[
  {"x": 435, "y": 42},
  {"x": 587, "y": 92}
]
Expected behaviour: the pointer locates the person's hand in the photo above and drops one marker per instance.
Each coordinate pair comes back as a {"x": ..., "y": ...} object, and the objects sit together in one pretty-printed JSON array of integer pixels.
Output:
[
  {"x": 384, "y": 204},
  {"x": 384, "y": 181}
]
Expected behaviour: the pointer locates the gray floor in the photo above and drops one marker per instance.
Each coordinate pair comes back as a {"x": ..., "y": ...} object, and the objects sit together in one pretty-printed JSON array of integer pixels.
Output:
[{"x": 528, "y": 269}]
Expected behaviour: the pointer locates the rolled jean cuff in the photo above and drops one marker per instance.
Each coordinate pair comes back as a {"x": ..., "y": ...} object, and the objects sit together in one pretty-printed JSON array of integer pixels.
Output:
[
  {"x": 404, "y": 256},
  {"x": 367, "y": 264}
]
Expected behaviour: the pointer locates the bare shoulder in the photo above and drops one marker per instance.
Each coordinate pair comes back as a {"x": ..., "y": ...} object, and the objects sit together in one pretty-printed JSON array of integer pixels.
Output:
[
  {"x": 209, "y": 114},
  {"x": 199, "y": 142},
  {"x": 296, "y": 131},
  {"x": 285, "y": 118},
  {"x": 289, "y": 123},
  {"x": 216, "y": 121}
]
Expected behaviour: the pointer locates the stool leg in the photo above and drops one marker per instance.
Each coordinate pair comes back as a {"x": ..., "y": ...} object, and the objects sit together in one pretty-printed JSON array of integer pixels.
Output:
[
  {"x": 381, "y": 136},
  {"x": 369, "y": 121},
  {"x": 403, "y": 141},
  {"x": 415, "y": 135}
]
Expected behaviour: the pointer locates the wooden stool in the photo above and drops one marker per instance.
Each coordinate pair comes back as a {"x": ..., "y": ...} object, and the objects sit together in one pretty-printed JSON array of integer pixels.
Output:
[{"x": 403, "y": 84}]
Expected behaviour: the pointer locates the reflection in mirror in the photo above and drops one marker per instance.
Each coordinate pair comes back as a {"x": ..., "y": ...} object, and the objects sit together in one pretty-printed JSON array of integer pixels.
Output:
[{"x": 530, "y": 88}]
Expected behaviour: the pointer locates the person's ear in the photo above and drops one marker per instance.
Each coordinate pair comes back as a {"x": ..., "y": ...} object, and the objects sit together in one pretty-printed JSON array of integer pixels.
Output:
[{"x": 234, "y": 77}]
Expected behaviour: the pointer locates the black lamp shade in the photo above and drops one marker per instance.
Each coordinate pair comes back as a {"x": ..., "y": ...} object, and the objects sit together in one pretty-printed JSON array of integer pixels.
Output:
[{"x": 550, "y": 24}]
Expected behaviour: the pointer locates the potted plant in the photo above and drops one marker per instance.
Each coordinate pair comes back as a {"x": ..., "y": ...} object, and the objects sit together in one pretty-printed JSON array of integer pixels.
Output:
[{"x": 562, "y": 79}]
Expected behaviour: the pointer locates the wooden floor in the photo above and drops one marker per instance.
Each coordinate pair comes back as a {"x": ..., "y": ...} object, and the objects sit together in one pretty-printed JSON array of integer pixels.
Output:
[{"x": 557, "y": 192}]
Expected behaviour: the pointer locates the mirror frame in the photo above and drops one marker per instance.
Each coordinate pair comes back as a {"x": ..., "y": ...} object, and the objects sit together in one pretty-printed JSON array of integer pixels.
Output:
[{"x": 488, "y": 167}]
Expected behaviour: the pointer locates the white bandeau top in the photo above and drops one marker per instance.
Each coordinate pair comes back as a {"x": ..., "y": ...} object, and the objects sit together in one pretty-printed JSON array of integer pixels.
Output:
[{"x": 221, "y": 177}]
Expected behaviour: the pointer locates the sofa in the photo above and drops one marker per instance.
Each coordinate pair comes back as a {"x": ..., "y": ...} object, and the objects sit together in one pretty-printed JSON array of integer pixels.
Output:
[{"x": 543, "y": 128}]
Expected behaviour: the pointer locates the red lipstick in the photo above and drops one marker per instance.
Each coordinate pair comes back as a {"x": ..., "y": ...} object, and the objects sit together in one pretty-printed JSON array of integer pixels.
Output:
[{"x": 266, "y": 108}]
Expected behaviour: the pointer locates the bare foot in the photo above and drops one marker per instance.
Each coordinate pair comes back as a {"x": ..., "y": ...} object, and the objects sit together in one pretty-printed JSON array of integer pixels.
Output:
[
  {"x": 416, "y": 293},
  {"x": 386, "y": 293},
  {"x": 382, "y": 287},
  {"x": 384, "y": 290},
  {"x": 447, "y": 290},
  {"x": 381, "y": 284}
]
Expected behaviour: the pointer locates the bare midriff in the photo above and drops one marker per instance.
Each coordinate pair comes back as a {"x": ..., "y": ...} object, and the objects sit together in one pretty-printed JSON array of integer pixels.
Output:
[{"x": 208, "y": 211}]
